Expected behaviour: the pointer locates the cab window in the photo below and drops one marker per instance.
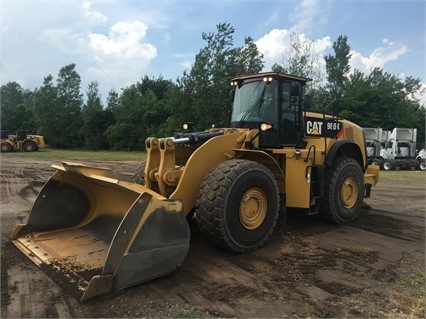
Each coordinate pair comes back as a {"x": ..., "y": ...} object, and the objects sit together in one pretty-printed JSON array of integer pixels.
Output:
[{"x": 290, "y": 120}]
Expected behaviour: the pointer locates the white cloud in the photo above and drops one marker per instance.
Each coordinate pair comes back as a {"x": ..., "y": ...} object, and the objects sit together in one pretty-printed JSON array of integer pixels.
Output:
[
  {"x": 65, "y": 39},
  {"x": 94, "y": 35},
  {"x": 378, "y": 58},
  {"x": 309, "y": 14},
  {"x": 111, "y": 43},
  {"x": 275, "y": 46},
  {"x": 120, "y": 56},
  {"x": 186, "y": 65},
  {"x": 124, "y": 41},
  {"x": 94, "y": 17},
  {"x": 273, "y": 18}
]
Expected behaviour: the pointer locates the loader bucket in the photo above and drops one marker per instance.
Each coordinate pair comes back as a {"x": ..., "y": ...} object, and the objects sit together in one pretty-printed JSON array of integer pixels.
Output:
[{"x": 94, "y": 233}]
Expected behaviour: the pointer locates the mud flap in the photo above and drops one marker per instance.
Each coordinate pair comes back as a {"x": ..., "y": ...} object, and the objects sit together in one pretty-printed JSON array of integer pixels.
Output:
[
  {"x": 371, "y": 178},
  {"x": 93, "y": 233}
]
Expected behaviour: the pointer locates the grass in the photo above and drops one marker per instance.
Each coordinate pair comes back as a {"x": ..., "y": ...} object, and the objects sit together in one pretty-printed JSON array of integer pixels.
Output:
[
  {"x": 416, "y": 279},
  {"x": 57, "y": 154},
  {"x": 412, "y": 297},
  {"x": 402, "y": 175},
  {"x": 184, "y": 314}
]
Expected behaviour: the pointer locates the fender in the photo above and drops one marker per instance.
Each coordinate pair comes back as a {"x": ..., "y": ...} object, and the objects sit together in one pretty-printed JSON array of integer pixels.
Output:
[
  {"x": 201, "y": 161},
  {"x": 267, "y": 160},
  {"x": 345, "y": 147},
  {"x": 270, "y": 163}
]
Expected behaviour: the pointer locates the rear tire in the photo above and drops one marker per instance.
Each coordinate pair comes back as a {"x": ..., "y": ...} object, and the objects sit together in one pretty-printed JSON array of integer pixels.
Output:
[
  {"x": 388, "y": 165},
  {"x": 344, "y": 192},
  {"x": 238, "y": 205},
  {"x": 375, "y": 162}
]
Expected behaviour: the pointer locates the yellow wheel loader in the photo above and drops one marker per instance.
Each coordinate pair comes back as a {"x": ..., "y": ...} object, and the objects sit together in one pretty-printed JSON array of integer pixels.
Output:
[
  {"x": 96, "y": 231},
  {"x": 21, "y": 140}
]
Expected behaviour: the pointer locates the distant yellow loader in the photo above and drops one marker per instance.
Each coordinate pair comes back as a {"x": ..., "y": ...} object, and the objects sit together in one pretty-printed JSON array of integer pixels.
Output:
[{"x": 22, "y": 140}]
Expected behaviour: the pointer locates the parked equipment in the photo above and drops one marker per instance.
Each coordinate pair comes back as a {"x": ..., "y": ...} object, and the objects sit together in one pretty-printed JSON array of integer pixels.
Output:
[
  {"x": 375, "y": 141},
  {"x": 99, "y": 231},
  {"x": 21, "y": 140},
  {"x": 394, "y": 149}
]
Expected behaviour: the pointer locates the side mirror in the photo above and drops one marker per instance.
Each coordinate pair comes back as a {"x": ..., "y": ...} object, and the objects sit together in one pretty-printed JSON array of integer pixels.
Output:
[{"x": 232, "y": 95}]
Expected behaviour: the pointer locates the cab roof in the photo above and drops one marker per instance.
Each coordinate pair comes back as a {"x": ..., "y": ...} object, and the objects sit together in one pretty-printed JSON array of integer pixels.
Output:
[{"x": 273, "y": 74}]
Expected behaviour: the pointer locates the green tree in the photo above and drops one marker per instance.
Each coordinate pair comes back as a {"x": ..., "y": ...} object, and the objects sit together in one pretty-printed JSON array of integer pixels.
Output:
[
  {"x": 156, "y": 106},
  {"x": 248, "y": 58},
  {"x": 337, "y": 67},
  {"x": 16, "y": 108},
  {"x": 127, "y": 132},
  {"x": 382, "y": 99},
  {"x": 95, "y": 119},
  {"x": 69, "y": 105},
  {"x": 45, "y": 111},
  {"x": 112, "y": 101},
  {"x": 206, "y": 86},
  {"x": 142, "y": 110},
  {"x": 57, "y": 108}
]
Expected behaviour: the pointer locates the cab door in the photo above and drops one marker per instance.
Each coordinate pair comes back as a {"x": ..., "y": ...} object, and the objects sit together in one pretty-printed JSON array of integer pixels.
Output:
[{"x": 290, "y": 127}]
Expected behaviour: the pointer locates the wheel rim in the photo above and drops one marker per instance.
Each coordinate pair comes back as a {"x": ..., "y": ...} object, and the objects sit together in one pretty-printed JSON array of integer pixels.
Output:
[
  {"x": 253, "y": 208},
  {"x": 349, "y": 192},
  {"x": 386, "y": 166},
  {"x": 423, "y": 166},
  {"x": 4, "y": 148}
]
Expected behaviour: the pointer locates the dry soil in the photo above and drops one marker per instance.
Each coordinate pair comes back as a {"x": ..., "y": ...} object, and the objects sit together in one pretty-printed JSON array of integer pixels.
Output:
[{"x": 373, "y": 267}]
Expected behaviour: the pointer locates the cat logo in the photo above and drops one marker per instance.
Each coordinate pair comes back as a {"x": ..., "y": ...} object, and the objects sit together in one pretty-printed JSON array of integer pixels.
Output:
[
  {"x": 323, "y": 127},
  {"x": 314, "y": 127}
]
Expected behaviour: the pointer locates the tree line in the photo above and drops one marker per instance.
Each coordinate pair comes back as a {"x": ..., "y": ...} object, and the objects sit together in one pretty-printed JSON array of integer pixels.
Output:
[{"x": 155, "y": 106}]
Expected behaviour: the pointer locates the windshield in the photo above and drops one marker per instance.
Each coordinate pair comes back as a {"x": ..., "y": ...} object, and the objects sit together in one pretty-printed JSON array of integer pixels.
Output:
[{"x": 255, "y": 102}]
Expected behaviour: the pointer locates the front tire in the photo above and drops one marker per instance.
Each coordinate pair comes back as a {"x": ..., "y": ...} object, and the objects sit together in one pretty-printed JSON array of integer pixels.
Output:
[
  {"x": 344, "y": 191},
  {"x": 422, "y": 164},
  {"x": 238, "y": 205},
  {"x": 30, "y": 146}
]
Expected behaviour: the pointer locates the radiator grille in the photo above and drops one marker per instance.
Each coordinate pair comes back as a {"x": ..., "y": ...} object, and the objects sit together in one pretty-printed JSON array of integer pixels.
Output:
[{"x": 349, "y": 133}]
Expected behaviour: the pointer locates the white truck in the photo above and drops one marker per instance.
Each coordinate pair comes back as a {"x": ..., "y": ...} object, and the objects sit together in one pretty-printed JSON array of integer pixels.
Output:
[
  {"x": 421, "y": 157},
  {"x": 375, "y": 141},
  {"x": 394, "y": 149},
  {"x": 400, "y": 150}
]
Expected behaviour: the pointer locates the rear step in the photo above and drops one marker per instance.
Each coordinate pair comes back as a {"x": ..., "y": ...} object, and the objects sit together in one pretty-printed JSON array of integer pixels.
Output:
[{"x": 110, "y": 245}]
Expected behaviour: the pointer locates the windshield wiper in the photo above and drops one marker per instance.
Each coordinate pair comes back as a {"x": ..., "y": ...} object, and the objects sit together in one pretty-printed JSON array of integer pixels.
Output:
[{"x": 256, "y": 105}]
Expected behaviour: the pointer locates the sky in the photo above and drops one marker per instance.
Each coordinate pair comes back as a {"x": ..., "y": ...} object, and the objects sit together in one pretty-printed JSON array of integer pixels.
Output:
[{"x": 116, "y": 43}]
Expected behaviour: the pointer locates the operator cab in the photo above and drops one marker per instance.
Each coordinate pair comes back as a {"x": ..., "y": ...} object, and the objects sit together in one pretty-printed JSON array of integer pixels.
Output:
[{"x": 271, "y": 98}]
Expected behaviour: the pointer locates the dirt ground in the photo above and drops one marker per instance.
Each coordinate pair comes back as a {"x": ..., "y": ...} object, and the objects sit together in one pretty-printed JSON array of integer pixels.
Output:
[{"x": 373, "y": 267}]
